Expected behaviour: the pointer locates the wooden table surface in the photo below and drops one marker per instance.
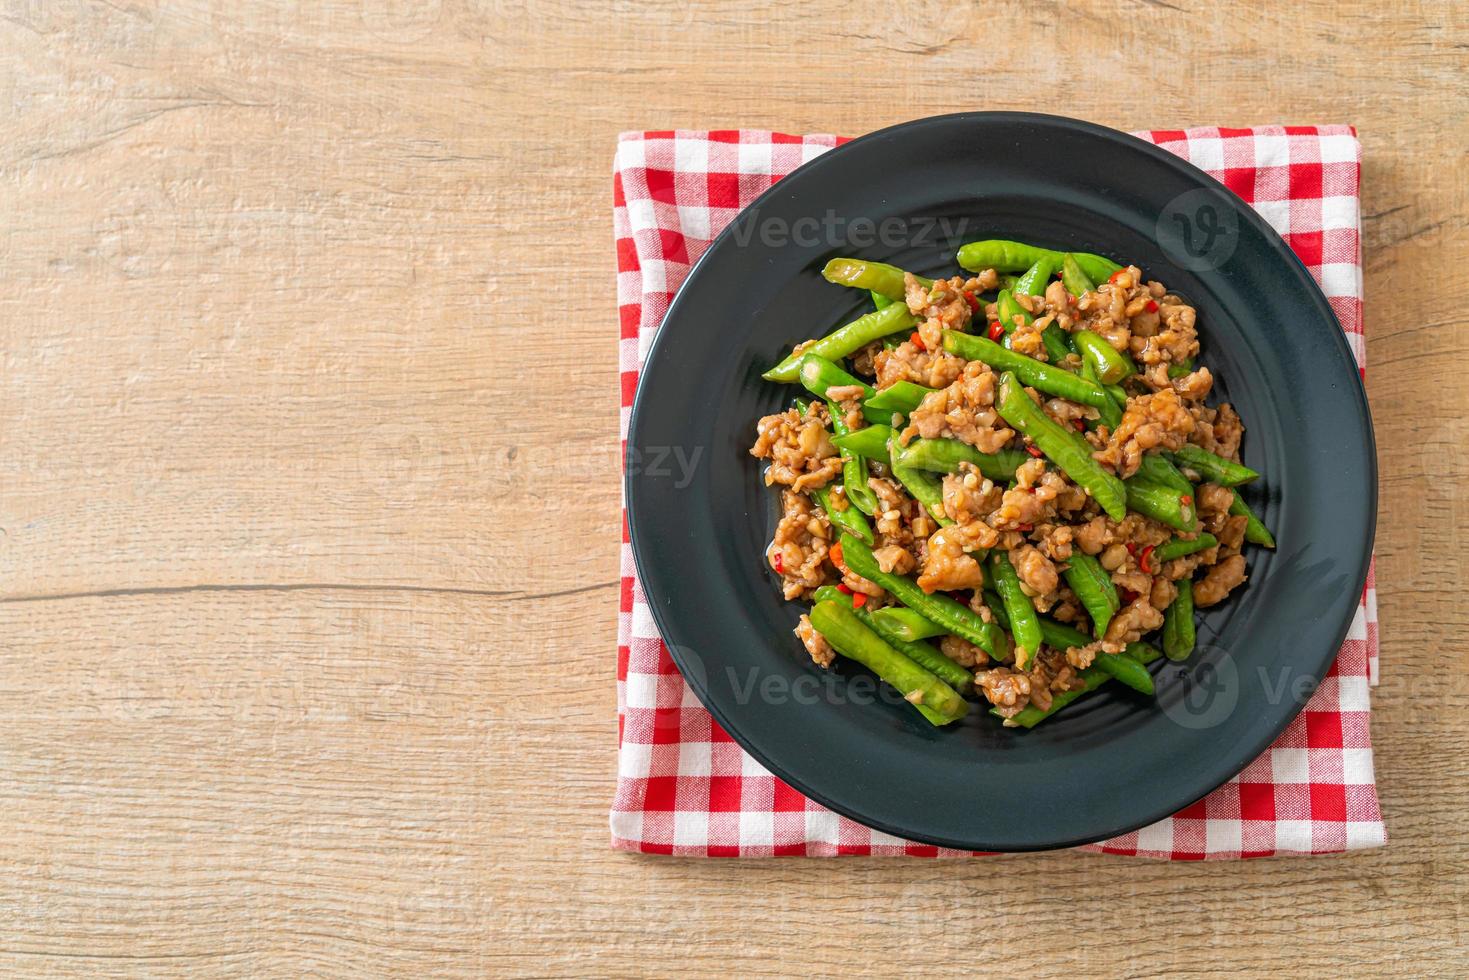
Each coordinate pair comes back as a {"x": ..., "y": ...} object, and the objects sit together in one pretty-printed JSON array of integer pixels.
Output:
[{"x": 309, "y": 484}]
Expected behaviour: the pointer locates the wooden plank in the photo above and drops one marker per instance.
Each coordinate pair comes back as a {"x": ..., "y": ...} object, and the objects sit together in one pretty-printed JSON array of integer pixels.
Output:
[{"x": 309, "y": 484}]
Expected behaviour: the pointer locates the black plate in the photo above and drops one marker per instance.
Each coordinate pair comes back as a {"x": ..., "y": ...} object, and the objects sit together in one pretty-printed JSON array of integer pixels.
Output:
[{"x": 1114, "y": 761}]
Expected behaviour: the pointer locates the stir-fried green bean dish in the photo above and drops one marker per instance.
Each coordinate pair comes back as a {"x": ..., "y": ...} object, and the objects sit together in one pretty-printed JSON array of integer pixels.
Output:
[{"x": 1006, "y": 485}]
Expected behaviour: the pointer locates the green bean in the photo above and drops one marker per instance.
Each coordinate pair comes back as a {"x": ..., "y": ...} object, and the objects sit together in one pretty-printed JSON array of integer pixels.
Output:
[
  {"x": 1025, "y": 625},
  {"x": 938, "y": 608},
  {"x": 1012, "y": 316},
  {"x": 854, "y": 484},
  {"x": 1008, "y": 256},
  {"x": 879, "y": 300},
  {"x": 1094, "y": 589},
  {"x": 945, "y": 455},
  {"x": 1255, "y": 531},
  {"x": 1155, "y": 468},
  {"x": 1077, "y": 282},
  {"x": 1215, "y": 469},
  {"x": 1060, "y": 447},
  {"x": 1182, "y": 368},
  {"x": 1008, "y": 309},
  {"x": 1030, "y": 716},
  {"x": 879, "y": 277},
  {"x": 1078, "y": 439},
  {"x": 1143, "y": 653},
  {"x": 802, "y": 405},
  {"x": 1126, "y": 670},
  {"x": 1109, "y": 418},
  {"x": 854, "y": 473},
  {"x": 1110, "y": 414},
  {"x": 1119, "y": 396},
  {"x": 1057, "y": 343},
  {"x": 817, "y": 374},
  {"x": 1092, "y": 678},
  {"x": 845, "y": 340},
  {"x": 1035, "y": 279},
  {"x": 901, "y": 396},
  {"x": 830, "y": 593},
  {"x": 1178, "y": 547},
  {"x": 1097, "y": 268},
  {"x": 1125, "y": 667},
  {"x": 850, "y": 637},
  {"x": 1034, "y": 283},
  {"x": 1163, "y": 504},
  {"x": 1110, "y": 365},
  {"x": 869, "y": 443},
  {"x": 997, "y": 607},
  {"x": 906, "y": 624},
  {"x": 1089, "y": 372},
  {"x": 1009, "y": 281},
  {"x": 1037, "y": 374},
  {"x": 924, "y": 486},
  {"x": 1000, "y": 255},
  {"x": 1178, "y": 623},
  {"x": 1057, "y": 636},
  {"x": 959, "y": 677},
  {"x": 933, "y": 717},
  {"x": 849, "y": 520},
  {"x": 854, "y": 467}
]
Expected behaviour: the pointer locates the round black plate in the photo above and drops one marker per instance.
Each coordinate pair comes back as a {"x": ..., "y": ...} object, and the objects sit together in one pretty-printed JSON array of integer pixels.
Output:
[{"x": 1114, "y": 761}]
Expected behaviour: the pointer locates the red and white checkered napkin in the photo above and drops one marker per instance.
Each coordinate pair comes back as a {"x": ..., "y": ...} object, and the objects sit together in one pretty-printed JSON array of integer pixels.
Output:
[{"x": 685, "y": 787}]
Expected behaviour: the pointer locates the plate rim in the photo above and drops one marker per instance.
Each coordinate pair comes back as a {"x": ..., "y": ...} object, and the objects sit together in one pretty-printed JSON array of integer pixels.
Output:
[{"x": 1248, "y": 214}]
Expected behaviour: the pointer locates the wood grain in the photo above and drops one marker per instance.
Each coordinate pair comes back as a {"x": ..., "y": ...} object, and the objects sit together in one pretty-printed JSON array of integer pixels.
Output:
[{"x": 302, "y": 499}]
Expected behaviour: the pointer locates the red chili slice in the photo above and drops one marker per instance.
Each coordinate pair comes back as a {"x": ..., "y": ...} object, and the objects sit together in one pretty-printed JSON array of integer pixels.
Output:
[
  {"x": 1132, "y": 548},
  {"x": 1113, "y": 277},
  {"x": 917, "y": 341},
  {"x": 973, "y": 301},
  {"x": 779, "y": 564},
  {"x": 835, "y": 554},
  {"x": 997, "y": 330},
  {"x": 1143, "y": 562},
  {"x": 1034, "y": 452},
  {"x": 1025, "y": 527},
  {"x": 844, "y": 588},
  {"x": 858, "y": 600},
  {"x": 1152, "y": 306},
  {"x": 1186, "y": 499}
]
